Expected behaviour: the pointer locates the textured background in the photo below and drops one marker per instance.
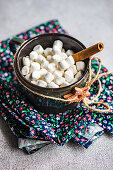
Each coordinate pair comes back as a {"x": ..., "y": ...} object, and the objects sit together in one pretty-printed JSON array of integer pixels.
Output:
[{"x": 90, "y": 22}]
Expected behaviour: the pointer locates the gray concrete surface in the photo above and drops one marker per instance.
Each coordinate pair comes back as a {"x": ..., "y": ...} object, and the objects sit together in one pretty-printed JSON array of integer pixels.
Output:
[{"x": 90, "y": 22}]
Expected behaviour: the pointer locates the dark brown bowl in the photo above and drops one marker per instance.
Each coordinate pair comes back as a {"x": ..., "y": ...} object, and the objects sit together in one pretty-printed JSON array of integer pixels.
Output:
[{"x": 46, "y": 40}]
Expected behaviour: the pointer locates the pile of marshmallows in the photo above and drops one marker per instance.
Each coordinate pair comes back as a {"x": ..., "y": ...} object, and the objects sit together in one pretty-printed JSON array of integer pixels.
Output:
[{"x": 52, "y": 67}]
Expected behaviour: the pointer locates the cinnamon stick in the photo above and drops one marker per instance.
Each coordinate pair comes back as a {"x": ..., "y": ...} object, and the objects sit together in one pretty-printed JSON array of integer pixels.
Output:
[{"x": 88, "y": 52}]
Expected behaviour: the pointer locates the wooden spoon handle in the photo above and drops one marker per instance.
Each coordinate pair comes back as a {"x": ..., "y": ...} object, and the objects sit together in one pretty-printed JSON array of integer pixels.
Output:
[{"x": 88, "y": 52}]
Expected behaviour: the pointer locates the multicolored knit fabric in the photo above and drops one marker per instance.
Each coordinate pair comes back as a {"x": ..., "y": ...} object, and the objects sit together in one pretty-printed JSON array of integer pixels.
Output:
[{"x": 35, "y": 129}]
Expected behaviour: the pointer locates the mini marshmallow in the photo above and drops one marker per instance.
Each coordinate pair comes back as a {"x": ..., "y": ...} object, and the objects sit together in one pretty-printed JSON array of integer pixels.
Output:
[
  {"x": 78, "y": 75},
  {"x": 80, "y": 65},
  {"x": 39, "y": 49},
  {"x": 69, "y": 52},
  {"x": 35, "y": 66},
  {"x": 51, "y": 67},
  {"x": 44, "y": 64},
  {"x": 40, "y": 58},
  {"x": 42, "y": 83},
  {"x": 48, "y": 51},
  {"x": 33, "y": 55},
  {"x": 70, "y": 60},
  {"x": 27, "y": 76},
  {"x": 68, "y": 76},
  {"x": 56, "y": 49},
  {"x": 63, "y": 65},
  {"x": 64, "y": 84},
  {"x": 26, "y": 61},
  {"x": 74, "y": 80},
  {"x": 35, "y": 75},
  {"x": 49, "y": 57},
  {"x": 63, "y": 56},
  {"x": 59, "y": 80},
  {"x": 63, "y": 50},
  {"x": 58, "y": 73},
  {"x": 25, "y": 70},
  {"x": 48, "y": 77},
  {"x": 53, "y": 85},
  {"x": 34, "y": 82},
  {"x": 43, "y": 72},
  {"x": 56, "y": 58},
  {"x": 58, "y": 43},
  {"x": 73, "y": 69}
]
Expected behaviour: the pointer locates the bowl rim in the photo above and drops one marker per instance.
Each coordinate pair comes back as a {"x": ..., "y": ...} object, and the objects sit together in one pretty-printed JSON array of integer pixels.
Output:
[{"x": 23, "y": 79}]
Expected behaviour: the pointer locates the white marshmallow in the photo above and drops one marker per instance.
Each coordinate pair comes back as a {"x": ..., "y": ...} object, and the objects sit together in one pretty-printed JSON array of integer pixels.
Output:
[
  {"x": 48, "y": 51},
  {"x": 26, "y": 61},
  {"x": 49, "y": 57},
  {"x": 56, "y": 49},
  {"x": 39, "y": 49},
  {"x": 74, "y": 80},
  {"x": 35, "y": 66},
  {"x": 58, "y": 73},
  {"x": 35, "y": 75},
  {"x": 48, "y": 77},
  {"x": 27, "y": 76},
  {"x": 58, "y": 43},
  {"x": 42, "y": 83},
  {"x": 69, "y": 52},
  {"x": 70, "y": 60},
  {"x": 44, "y": 64},
  {"x": 73, "y": 69},
  {"x": 34, "y": 82},
  {"x": 51, "y": 67},
  {"x": 78, "y": 75},
  {"x": 59, "y": 80},
  {"x": 80, "y": 65},
  {"x": 56, "y": 58},
  {"x": 43, "y": 72},
  {"x": 25, "y": 70},
  {"x": 53, "y": 85},
  {"x": 33, "y": 55},
  {"x": 63, "y": 56},
  {"x": 68, "y": 76},
  {"x": 64, "y": 84},
  {"x": 40, "y": 58},
  {"x": 63, "y": 50},
  {"x": 63, "y": 65}
]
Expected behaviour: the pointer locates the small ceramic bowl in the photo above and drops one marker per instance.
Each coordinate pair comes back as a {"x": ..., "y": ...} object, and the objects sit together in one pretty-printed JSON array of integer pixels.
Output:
[{"x": 46, "y": 105}]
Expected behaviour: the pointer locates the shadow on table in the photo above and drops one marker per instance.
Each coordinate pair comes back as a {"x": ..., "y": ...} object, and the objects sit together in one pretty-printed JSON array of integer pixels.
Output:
[
  {"x": 9, "y": 136},
  {"x": 75, "y": 145},
  {"x": 108, "y": 134}
]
